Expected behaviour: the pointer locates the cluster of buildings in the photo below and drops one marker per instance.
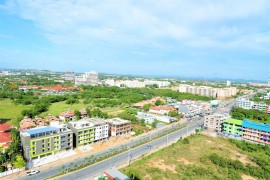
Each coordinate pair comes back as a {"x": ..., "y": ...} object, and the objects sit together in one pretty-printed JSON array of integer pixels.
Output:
[
  {"x": 241, "y": 129},
  {"x": 88, "y": 78},
  {"x": 248, "y": 104},
  {"x": 136, "y": 83},
  {"x": 46, "y": 140},
  {"x": 190, "y": 108},
  {"x": 219, "y": 93}
]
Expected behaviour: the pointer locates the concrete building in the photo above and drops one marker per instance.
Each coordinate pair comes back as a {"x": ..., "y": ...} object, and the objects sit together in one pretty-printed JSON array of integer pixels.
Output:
[
  {"x": 228, "y": 83},
  {"x": 161, "y": 109},
  {"x": 88, "y": 78},
  {"x": 136, "y": 83},
  {"x": 214, "y": 122},
  {"x": 118, "y": 127},
  {"x": 148, "y": 118},
  {"x": 257, "y": 132},
  {"x": 244, "y": 103},
  {"x": 101, "y": 129},
  {"x": 219, "y": 93},
  {"x": 83, "y": 132},
  {"x": 46, "y": 140},
  {"x": 232, "y": 127}
]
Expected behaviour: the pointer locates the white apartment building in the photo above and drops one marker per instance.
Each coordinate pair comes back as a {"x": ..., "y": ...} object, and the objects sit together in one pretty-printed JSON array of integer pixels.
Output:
[
  {"x": 135, "y": 83},
  {"x": 220, "y": 93},
  {"x": 88, "y": 78},
  {"x": 244, "y": 103},
  {"x": 148, "y": 118},
  {"x": 215, "y": 121},
  {"x": 101, "y": 129}
]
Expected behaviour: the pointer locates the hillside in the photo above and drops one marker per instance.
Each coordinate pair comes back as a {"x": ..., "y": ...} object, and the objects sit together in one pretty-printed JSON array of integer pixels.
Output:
[{"x": 203, "y": 157}]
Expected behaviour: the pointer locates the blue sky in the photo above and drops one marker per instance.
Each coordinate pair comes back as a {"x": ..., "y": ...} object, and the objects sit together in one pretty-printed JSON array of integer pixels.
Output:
[{"x": 205, "y": 38}]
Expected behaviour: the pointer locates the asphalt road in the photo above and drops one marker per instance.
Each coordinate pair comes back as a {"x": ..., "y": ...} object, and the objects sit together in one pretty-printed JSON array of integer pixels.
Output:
[
  {"x": 118, "y": 159},
  {"x": 125, "y": 157}
]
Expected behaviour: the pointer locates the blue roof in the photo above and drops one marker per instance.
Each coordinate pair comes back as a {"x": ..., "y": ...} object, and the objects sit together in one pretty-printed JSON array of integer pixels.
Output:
[
  {"x": 254, "y": 125},
  {"x": 41, "y": 130}
]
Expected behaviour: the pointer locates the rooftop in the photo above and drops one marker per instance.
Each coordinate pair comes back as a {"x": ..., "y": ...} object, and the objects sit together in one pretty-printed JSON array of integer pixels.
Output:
[
  {"x": 38, "y": 130},
  {"x": 4, "y": 127},
  {"x": 234, "y": 121},
  {"x": 254, "y": 125},
  {"x": 115, "y": 174}
]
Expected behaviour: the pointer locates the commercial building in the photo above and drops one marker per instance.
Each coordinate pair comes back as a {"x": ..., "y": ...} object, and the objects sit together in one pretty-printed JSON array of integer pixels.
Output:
[
  {"x": 214, "y": 122},
  {"x": 244, "y": 103},
  {"x": 118, "y": 127},
  {"x": 219, "y": 93},
  {"x": 256, "y": 132},
  {"x": 233, "y": 127},
  {"x": 46, "y": 140},
  {"x": 88, "y": 78},
  {"x": 83, "y": 132}
]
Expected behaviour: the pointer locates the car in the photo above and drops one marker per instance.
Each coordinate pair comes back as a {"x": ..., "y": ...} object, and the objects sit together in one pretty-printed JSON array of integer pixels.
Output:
[{"x": 30, "y": 173}]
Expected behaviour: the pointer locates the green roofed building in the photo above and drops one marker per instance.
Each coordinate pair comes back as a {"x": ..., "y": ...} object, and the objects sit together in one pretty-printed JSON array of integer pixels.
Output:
[{"x": 233, "y": 127}]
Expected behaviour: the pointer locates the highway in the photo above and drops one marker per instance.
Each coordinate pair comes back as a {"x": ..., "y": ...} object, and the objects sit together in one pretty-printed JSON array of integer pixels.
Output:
[
  {"x": 116, "y": 160},
  {"x": 125, "y": 157}
]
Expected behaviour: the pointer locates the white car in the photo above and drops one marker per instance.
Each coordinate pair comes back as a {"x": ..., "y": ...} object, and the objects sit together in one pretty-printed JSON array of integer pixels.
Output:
[{"x": 32, "y": 172}]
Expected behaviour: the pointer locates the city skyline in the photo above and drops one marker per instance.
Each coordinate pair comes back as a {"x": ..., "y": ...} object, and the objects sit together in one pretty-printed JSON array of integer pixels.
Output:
[{"x": 208, "y": 39}]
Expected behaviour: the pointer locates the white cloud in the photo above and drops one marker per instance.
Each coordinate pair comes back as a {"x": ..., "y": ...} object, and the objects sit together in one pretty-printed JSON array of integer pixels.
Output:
[{"x": 206, "y": 23}]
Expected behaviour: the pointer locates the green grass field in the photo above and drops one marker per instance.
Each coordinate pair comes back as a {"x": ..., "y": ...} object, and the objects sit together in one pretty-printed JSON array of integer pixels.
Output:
[
  {"x": 189, "y": 161},
  {"x": 10, "y": 112}
]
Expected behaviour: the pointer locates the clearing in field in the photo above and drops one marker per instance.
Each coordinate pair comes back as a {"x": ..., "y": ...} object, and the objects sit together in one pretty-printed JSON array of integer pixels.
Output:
[{"x": 192, "y": 160}]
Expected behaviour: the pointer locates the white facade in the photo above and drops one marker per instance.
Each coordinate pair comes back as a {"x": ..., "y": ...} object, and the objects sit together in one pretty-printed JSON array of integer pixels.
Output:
[
  {"x": 101, "y": 129},
  {"x": 136, "y": 83},
  {"x": 244, "y": 103},
  {"x": 89, "y": 78},
  {"x": 215, "y": 121},
  {"x": 146, "y": 117}
]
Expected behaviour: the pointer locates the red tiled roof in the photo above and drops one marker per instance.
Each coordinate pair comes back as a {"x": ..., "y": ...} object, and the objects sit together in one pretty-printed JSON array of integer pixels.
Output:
[
  {"x": 4, "y": 127},
  {"x": 67, "y": 113},
  {"x": 5, "y": 137}
]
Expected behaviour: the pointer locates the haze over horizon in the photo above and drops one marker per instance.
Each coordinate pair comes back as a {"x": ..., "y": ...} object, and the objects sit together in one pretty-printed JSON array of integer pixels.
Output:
[{"x": 212, "y": 39}]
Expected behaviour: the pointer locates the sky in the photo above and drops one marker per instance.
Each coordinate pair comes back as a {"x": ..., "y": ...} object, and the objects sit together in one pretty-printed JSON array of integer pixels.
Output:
[{"x": 191, "y": 38}]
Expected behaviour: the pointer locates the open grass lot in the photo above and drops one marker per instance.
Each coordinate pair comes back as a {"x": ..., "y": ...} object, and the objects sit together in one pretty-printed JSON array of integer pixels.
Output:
[
  {"x": 58, "y": 107},
  {"x": 190, "y": 160},
  {"x": 10, "y": 112}
]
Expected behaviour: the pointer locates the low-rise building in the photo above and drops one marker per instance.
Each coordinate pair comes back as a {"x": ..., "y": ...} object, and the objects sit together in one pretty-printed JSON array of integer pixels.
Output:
[
  {"x": 101, "y": 129},
  {"x": 161, "y": 110},
  {"x": 118, "y": 127},
  {"x": 5, "y": 135},
  {"x": 244, "y": 103},
  {"x": 233, "y": 127},
  {"x": 46, "y": 140},
  {"x": 257, "y": 132},
  {"x": 214, "y": 122},
  {"x": 148, "y": 118},
  {"x": 83, "y": 132},
  {"x": 67, "y": 115}
]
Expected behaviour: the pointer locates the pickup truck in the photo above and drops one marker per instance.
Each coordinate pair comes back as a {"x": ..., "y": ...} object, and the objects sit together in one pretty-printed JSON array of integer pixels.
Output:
[{"x": 32, "y": 172}]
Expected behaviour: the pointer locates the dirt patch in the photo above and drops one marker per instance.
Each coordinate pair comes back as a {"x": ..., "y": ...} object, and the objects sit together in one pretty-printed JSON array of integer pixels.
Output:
[
  {"x": 161, "y": 165},
  {"x": 185, "y": 161},
  {"x": 246, "y": 177},
  {"x": 243, "y": 158},
  {"x": 208, "y": 141}
]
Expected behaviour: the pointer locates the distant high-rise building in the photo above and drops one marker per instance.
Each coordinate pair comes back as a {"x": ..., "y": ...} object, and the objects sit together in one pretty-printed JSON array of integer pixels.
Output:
[
  {"x": 229, "y": 83},
  {"x": 88, "y": 78},
  {"x": 69, "y": 76}
]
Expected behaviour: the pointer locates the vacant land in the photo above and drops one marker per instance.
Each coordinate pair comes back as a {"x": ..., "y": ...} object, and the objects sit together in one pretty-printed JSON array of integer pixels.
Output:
[
  {"x": 201, "y": 157},
  {"x": 10, "y": 112}
]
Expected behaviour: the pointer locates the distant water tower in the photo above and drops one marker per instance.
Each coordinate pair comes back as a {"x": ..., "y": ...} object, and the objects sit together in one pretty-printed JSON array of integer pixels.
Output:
[{"x": 229, "y": 83}]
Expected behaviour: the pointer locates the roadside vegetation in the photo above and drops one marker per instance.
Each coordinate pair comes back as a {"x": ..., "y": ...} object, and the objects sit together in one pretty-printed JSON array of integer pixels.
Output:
[
  {"x": 254, "y": 115},
  {"x": 203, "y": 157}
]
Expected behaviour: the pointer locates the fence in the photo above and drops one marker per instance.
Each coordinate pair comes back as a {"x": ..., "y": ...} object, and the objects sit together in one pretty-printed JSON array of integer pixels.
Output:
[{"x": 11, "y": 172}]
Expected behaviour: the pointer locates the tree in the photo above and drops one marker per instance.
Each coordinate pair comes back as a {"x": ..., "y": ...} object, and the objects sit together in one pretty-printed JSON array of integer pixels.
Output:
[
  {"x": 146, "y": 107},
  {"x": 159, "y": 102},
  {"x": 77, "y": 114},
  {"x": 173, "y": 114},
  {"x": 19, "y": 163}
]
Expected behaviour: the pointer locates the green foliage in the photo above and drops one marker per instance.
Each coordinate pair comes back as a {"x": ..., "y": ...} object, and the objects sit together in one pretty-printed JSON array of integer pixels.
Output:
[
  {"x": 19, "y": 163},
  {"x": 72, "y": 100},
  {"x": 255, "y": 115},
  {"x": 154, "y": 124},
  {"x": 159, "y": 102},
  {"x": 128, "y": 116},
  {"x": 173, "y": 114},
  {"x": 146, "y": 107},
  {"x": 96, "y": 112},
  {"x": 77, "y": 114},
  {"x": 186, "y": 141}
]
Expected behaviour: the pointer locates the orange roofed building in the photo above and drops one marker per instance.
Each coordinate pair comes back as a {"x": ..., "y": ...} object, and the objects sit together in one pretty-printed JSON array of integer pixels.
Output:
[
  {"x": 5, "y": 135},
  {"x": 161, "y": 109},
  {"x": 67, "y": 115}
]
